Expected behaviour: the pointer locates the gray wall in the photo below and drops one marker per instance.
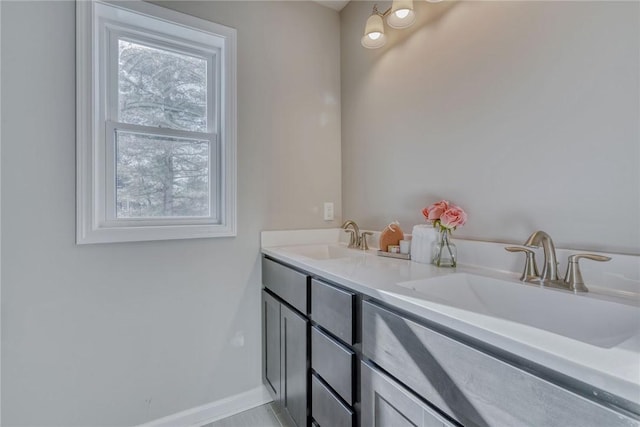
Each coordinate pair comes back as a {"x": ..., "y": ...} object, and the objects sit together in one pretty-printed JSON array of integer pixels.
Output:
[
  {"x": 119, "y": 334},
  {"x": 485, "y": 103},
  {"x": 524, "y": 113}
]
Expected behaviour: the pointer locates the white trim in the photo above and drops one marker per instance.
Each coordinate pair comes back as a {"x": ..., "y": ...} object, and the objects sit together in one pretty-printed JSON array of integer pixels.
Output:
[
  {"x": 91, "y": 224},
  {"x": 223, "y": 408}
]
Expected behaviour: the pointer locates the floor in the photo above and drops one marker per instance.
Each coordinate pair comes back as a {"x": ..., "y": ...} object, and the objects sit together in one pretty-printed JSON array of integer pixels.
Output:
[{"x": 262, "y": 416}]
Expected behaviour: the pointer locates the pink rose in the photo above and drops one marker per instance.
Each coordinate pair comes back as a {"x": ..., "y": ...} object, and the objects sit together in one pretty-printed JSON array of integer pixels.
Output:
[
  {"x": 425, "y": 212},
  {"x": 435, "y": 211},
  {"x": 453, "y": 217}
]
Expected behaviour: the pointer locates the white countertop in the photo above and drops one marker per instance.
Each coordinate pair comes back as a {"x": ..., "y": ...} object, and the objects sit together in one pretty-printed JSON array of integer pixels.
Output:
[{"x": 615, "y": 370}]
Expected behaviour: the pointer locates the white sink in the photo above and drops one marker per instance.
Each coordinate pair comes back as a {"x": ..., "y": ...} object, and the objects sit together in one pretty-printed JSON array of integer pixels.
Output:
[
  {"x": 593, "y": 321},
  {"x": 322, "y": 251}
]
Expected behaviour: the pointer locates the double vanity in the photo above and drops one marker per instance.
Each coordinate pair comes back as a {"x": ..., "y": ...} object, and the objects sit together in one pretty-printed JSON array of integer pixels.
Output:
[{"x": 354, "y": 339}]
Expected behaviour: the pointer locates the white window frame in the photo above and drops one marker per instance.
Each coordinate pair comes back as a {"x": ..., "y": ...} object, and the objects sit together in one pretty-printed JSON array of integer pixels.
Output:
[{"x": 99, "y": 25}]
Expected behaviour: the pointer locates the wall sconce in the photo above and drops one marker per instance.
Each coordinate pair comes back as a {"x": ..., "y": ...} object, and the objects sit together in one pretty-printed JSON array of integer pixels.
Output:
[{"x": 399, "y": 15}]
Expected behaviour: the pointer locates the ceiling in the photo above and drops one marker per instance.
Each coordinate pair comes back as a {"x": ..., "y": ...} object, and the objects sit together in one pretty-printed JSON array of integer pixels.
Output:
[{"x": 333, "y": 4}]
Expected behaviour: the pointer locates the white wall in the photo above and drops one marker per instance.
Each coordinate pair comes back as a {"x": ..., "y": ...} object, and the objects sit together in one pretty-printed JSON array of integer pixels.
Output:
[
  {"x": 119, "y": 334},
  {"x": 524, "y": 113}
]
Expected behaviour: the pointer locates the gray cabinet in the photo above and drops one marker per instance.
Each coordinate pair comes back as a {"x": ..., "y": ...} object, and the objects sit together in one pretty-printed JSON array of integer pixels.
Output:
[
  {"x": 271, "y": 345},
  {"x": 286, "y": 283},
  {"x": 295, "y": 368},
  {"x": 334, "y": 363},
  {"x": 333, "y": 310},
  {"x": 328, "y": 410},
  {"x": 285, "y": 368},
  {"x": 470, "y": 386},
  {"x": 332, "y": 360},
  {"x": 386, "y": 403}
]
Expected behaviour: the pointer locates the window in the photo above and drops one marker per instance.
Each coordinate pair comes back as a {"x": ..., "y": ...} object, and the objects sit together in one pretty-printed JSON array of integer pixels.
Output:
[{"x": 156, "y": 123}]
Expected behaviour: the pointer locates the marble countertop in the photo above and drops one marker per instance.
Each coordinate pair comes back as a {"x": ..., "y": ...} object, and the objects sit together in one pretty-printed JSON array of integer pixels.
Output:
[{"x": 611, "y": 369}]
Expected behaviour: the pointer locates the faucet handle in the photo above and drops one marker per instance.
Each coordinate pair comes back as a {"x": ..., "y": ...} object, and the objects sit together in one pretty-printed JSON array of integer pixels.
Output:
[
  {"x": 573, "y": 277},
  {"x": 530, "y": 273},
  {"x": 363, "y": 240},
  {"x": 594, "y": 257}
]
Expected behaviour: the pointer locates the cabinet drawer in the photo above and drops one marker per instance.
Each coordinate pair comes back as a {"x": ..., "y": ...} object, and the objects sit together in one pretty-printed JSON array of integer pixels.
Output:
[
  {"x": 326, "y": 409},
  {"x": 333, "y": 362},
  {"x": 333, "y": 308},
  {"x": 470, "y": 386},
  {"x": 288, "y": 284}
]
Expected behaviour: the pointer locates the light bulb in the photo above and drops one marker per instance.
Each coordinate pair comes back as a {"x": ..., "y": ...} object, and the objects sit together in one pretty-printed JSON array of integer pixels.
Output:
[
  {"x": 402, "y": 13},
  {"x": 374, "y": 31}
]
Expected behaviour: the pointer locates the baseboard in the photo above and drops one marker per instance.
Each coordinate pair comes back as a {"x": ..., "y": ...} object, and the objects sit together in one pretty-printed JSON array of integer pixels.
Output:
[{"x": 205, "y": 414}]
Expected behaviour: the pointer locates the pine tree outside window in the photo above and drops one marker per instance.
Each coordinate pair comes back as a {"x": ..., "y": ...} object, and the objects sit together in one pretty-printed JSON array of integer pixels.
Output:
[{"x": 156, "y": 124}]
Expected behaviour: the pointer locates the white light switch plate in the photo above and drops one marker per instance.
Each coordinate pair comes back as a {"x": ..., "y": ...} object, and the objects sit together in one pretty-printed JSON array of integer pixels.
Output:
[{"x": 328, "y": 211}]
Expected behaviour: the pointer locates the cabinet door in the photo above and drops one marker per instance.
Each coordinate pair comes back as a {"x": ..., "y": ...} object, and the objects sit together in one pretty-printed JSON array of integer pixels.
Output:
[
  {"x": 271, "y": 345},
  {"x": 386, "y": 403},
  {"x": 294, "y": 365},
  {"x": 470, "y": 386}
]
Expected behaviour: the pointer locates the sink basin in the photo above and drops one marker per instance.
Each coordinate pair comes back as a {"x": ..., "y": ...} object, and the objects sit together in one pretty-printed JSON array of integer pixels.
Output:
[
  {"x": 321, "y": 251},
  {"x": 593, "y": 321}
]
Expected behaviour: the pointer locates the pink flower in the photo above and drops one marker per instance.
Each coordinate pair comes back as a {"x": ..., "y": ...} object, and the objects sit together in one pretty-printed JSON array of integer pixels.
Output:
[
  {"x": 435, "y": 211},
  {"x": 453, "y": 217},
  {"x": 425, "y": 212}
]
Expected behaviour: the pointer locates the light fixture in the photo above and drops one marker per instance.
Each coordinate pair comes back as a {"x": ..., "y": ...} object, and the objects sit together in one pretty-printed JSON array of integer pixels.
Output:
[
  {"x": 399, "y": 15},
  {"x": 374, "y": 31},
  {"x": 402, "y": 15}
]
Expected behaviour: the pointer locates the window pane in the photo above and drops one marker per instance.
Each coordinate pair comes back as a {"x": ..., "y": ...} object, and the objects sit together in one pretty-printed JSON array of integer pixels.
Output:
[
  {"x": 161, "y": 88},
  {"x": 161, "y": 176}
]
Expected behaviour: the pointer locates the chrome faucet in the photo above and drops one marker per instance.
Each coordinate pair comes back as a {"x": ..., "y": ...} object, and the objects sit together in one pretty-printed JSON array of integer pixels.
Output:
[
  {"x": 354, "y": 240},
  {"x": 550, "y": 269}
]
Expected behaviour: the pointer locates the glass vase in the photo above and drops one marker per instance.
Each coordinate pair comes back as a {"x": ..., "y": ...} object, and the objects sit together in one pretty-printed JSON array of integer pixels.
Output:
[{"x": 444, "y": 252}]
